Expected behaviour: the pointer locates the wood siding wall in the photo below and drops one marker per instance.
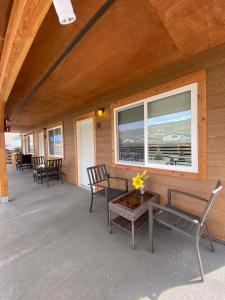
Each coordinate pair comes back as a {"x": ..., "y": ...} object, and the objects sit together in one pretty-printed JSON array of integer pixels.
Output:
[{"x": 214, "y": 62}]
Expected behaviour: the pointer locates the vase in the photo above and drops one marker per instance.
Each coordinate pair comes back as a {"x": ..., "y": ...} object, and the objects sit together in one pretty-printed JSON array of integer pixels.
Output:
[{"x": 142, "y": 191}]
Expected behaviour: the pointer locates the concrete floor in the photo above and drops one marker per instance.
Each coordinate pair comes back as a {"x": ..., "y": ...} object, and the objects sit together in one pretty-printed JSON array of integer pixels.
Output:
[{"x": 52, "y": 248}]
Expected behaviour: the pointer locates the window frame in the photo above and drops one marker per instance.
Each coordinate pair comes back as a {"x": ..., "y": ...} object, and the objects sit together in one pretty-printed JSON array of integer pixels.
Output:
[
  {"x": 27, "y": 139},
  {"x": 198, "y": 123},
  {"x": 53, "y": 128}
]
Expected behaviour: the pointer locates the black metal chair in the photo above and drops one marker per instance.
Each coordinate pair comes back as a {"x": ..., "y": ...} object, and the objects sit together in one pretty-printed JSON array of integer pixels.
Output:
[
  {"x": 179, "y": 220},
  {"x": 26, "y": 162},
  {"x": 38, "y": 164},
  {"x": 53, "y": 169},
  {"x": 98, "y": 175}
]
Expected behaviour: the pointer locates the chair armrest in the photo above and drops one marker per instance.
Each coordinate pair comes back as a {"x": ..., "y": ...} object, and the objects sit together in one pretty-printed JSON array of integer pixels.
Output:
[
  {"x": 175, "y": 212},
  {"x": 99, "y": 185},
  {"x": 184, "y": 193},
  {"x": 119, "y": 178}
]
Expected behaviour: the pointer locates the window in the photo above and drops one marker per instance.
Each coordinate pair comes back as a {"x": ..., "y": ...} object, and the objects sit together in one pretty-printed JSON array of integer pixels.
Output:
[
  {"x": 159, "y": 132},
  {"x": 55, "y": 142},
  {"x": 29, "y": 144}
]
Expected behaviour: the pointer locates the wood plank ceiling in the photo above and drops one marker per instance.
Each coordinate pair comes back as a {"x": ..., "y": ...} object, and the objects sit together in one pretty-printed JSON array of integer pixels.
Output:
[
  {"x": 133, "y": 39},
  {"x": 5, "y": 9}
]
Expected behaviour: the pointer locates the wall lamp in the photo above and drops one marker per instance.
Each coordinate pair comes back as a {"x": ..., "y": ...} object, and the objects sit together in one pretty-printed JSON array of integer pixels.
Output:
[
  {"x": 100, "y": 112},
  {"x": 45, "y": 132}
]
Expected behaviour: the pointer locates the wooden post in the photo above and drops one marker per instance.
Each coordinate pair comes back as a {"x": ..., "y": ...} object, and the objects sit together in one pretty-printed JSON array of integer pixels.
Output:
[{"x": 3, "y": 166}]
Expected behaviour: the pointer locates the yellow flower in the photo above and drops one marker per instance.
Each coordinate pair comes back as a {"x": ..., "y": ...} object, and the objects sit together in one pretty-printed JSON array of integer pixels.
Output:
[{"x": 138, "y": 182}]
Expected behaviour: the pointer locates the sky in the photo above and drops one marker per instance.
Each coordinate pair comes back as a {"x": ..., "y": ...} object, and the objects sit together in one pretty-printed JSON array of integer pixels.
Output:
[
  {"x": 12, "y": 140},
  {"x": 174, "y": 117}
]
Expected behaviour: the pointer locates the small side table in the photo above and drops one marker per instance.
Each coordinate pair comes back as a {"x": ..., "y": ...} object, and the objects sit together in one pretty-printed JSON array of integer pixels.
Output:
[{"x": 132, "y": 211}]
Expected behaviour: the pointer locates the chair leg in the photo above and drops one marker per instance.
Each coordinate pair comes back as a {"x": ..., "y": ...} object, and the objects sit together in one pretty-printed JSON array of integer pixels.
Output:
[
  {"x": 110, "y": 222},
  {"x": 47, "y": 179},
  {"x": 199, "y": 258},
  {"x": 150, "y": 216},
  {"x": 132, "y": 231},
  {"x": 209, "y": 238},
  {"x": 91, "y": 203}
]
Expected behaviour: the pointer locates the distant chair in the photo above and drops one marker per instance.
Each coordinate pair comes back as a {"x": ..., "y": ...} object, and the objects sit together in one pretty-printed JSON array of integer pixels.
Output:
[
  {"x": 18, "y": 159},
  {"x": 53, "y": 169},
  {"x": 98, "y": 175},
  {"x": 26, "y": 162},
  {"x": 38, "y": 164},
  {"x": 188, "y": 224}
]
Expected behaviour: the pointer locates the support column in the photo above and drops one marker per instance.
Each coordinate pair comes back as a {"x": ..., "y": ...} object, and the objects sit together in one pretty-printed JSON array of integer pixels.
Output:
[{"x": 3, "y": 166}]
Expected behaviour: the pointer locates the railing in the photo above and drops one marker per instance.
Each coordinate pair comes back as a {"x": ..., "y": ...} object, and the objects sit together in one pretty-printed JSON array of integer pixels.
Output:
[
  {"x": 156, "y": 152},
  {"x": 9, "y": 156}
]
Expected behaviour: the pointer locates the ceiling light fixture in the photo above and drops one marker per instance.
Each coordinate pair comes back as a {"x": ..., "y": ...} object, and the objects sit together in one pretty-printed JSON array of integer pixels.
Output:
[{"x": 64, "y": 10}]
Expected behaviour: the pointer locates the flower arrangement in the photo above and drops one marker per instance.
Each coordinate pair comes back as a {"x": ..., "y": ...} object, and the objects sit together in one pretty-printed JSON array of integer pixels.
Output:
[{"x": 138, "y": 181}]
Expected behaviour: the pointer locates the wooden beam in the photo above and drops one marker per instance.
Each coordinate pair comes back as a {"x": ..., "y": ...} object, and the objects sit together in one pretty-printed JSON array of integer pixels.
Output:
[
  {"x": 25, "y": 20},
  {"x": 3, "y": 168}
]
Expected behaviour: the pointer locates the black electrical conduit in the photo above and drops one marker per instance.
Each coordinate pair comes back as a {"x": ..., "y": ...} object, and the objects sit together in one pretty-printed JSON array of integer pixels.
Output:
[{"x": 102, "y": 10}]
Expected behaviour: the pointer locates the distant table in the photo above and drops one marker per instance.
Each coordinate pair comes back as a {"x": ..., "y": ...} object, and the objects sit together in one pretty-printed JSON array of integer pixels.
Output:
[{"x": 132, "y": 211}]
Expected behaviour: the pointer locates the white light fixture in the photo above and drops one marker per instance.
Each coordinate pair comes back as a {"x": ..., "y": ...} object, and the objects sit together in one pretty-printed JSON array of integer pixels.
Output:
[{"x": 64, "y": 10}]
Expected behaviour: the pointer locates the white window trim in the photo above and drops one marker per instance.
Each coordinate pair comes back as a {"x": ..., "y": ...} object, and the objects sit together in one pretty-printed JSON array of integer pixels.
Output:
[
  {"x": 194, "y": 130},
  {"x": 52, "y": 128},
  {"x": 26, "y": 137}
]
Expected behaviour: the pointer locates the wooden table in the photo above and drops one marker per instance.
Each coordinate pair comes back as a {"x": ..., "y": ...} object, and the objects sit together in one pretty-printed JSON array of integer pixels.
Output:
[{"x": 131, "y": 211}]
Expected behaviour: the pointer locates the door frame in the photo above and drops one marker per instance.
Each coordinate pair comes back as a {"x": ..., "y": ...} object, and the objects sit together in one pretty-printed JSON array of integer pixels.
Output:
[
  {"x": 41, "y": 131},
  {"x": 77, "y": 119}
]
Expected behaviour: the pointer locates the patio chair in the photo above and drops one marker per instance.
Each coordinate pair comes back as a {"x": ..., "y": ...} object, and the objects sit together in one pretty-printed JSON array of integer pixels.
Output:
[
  {"x": 26, "y": 162},
  {"x": 38, "y": 163},
  {"x": 98, "y": 175},
  {"x": 18, "y": 159},
  {"x": 53, "y": 169},
  {"x": 179, "y": 220}
]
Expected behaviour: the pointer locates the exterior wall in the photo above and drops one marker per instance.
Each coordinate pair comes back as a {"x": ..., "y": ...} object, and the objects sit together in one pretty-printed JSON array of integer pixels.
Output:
[{"x": 214, "y": 63}]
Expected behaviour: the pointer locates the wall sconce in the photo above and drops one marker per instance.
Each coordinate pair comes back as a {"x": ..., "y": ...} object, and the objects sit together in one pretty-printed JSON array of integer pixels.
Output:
[
  {"x": 7, "y": 124},
  {"x": 100, "y": 112},
  {"x": 44, "y": 131}
]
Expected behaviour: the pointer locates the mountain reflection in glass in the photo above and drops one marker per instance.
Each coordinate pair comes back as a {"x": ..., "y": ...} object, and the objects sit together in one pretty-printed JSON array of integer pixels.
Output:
[
  {"x": 169, "y": 130},
  {"x": 131, "y": 134}
]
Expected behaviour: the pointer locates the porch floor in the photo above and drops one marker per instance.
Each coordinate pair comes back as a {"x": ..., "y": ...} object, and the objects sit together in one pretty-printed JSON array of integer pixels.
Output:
[{"x": 52, "y": 248}]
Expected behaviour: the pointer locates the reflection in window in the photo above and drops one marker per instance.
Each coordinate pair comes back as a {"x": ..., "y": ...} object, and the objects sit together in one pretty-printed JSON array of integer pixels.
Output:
[
  {"x": 169, "y": 130},
  {"x": 161, "y": 132},
  {"x": 55, "y": 142},
  {"x": 131, "y": 134}
]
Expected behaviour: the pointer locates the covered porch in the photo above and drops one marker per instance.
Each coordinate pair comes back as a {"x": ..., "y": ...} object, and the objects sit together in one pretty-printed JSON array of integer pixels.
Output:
[
  {"x": 135, "y": 86},
  {"x": 54, "y": 249}
]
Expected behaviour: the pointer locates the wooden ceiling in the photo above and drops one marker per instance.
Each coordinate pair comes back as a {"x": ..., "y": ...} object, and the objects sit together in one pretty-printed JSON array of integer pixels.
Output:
[
  {"x": 131, "y": 40},
  {"x": 5, "y": 9}
]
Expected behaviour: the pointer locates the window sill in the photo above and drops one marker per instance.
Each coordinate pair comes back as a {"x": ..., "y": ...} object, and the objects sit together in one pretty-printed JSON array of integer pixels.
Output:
[{"x": 182, "y": 174}]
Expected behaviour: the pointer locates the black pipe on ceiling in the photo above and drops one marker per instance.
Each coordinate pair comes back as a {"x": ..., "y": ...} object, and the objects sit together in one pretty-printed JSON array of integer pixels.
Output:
[{"x": 102, "y": 10}]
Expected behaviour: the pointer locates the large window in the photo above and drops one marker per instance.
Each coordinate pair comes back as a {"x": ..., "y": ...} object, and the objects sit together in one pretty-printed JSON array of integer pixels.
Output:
[
  {"x": 55, "y": 142},
  {"x": 160, "y": 131}
]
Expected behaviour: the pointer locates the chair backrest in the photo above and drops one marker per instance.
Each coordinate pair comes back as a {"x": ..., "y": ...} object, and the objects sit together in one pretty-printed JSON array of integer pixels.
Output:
[
  {"x": 54, "y": 163},
  {"x": 97, "y": 174},
  {"x": 18, "y": 157},
  {"x": 38, "y": 161},
  {"x": 26, "y": 159},
  {"x": 212, "y": 198}
]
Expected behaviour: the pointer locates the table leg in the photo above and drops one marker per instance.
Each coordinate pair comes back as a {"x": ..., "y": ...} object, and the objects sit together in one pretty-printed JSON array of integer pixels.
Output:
[
  {"x": 150, "y": 216},
  {"x": 109, "y": 220},
  {"x": 133, "y": 242}
]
